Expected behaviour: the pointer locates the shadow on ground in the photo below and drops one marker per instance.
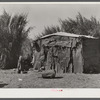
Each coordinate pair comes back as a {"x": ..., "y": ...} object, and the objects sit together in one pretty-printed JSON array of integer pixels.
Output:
[
  {"x": 52, "y": 78},
  {"x": 2, "y": 85}
]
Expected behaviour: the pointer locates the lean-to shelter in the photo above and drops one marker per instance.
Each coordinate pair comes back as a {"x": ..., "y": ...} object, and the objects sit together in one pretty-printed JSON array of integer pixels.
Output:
[{"x": 68, "y": 53}]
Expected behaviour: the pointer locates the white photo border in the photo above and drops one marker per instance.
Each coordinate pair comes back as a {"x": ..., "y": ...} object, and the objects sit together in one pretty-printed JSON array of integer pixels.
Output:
[{"x": 51, "y": 92}]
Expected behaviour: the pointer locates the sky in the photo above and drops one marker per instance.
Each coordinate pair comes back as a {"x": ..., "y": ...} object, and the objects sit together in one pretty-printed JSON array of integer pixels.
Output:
[{"x": 42, "y": 15}]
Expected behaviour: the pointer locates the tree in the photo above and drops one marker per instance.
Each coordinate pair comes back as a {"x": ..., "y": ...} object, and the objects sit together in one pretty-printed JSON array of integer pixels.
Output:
[
  {"x": 80, "y": 25},
  {"x": 12, "y": 34},
  {"x": 4, "y": 39},
  {"x": 19, "y": 34}
]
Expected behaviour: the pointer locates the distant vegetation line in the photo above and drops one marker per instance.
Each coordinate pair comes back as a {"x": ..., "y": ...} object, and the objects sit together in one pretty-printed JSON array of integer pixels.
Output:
[{"x": 79, "y": 25}]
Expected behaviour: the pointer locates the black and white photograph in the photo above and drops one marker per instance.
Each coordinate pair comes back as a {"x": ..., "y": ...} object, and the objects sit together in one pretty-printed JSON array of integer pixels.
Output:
[{"x": 49, "y": 45}]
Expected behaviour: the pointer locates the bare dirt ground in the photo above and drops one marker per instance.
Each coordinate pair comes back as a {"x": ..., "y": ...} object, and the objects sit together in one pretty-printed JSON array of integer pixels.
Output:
[{"x": 33, "y": 79}]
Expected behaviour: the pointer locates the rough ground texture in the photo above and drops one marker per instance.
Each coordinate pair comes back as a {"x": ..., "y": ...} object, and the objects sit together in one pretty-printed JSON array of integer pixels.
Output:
[{"x": 33, "y": 79}]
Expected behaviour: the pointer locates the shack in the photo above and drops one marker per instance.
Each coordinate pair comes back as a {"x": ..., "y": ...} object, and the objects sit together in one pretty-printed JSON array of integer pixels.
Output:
[{"x": 68, "y": 53}]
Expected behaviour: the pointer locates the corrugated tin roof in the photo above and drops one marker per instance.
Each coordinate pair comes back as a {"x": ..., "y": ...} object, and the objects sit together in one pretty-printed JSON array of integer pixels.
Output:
[{"x": 68, "y": 35}]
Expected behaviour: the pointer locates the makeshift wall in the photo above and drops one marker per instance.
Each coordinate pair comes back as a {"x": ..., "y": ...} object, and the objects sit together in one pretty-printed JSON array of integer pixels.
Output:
[
  {"x": 58, "y": 55},
  {"x": 69, "y": 54},
  {"x": 91, "y": 55},
  {"x": 62, "y": 54},
  {"x": 77, "y": 56}
]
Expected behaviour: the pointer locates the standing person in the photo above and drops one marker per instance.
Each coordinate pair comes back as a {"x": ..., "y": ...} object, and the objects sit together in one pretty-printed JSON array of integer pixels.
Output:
[
  {"x": 22, "y": 64},
  {"x": 19, "y": 65},
  {"x": 33, "y": 58}
]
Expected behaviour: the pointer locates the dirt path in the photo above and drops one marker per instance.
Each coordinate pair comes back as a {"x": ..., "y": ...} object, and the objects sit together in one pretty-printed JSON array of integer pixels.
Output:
[{"x": 10, "y": 79}]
